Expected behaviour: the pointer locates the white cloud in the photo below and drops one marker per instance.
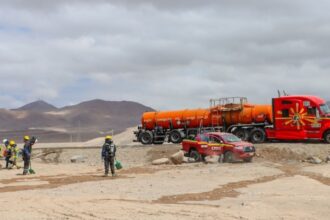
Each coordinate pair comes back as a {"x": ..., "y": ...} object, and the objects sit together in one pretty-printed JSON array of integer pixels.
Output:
[{"x": 166, "y": 54}]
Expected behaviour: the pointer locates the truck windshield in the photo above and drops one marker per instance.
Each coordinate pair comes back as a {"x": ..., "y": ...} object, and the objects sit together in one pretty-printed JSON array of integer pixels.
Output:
[
  {"x": 231, "y": 138},
  {"x": 325, "y": 109}
]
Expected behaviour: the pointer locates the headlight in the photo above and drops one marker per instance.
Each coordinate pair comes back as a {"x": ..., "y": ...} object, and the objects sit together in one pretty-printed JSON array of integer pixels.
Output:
[{"x": 239, "y": 147}]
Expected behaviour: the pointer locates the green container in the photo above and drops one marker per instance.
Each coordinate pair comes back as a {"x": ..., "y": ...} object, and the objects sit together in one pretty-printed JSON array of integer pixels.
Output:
[{"x": 118, "y": 165}]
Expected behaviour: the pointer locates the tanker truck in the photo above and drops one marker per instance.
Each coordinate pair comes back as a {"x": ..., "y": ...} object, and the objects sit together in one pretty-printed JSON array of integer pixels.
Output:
[{"x": 299, "y": 117}]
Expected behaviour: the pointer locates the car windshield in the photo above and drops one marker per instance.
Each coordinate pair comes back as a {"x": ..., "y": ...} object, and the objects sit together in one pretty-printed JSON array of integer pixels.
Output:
[
  {"x": 325, "y": 109},
  {"x": 230, "y": 138}
]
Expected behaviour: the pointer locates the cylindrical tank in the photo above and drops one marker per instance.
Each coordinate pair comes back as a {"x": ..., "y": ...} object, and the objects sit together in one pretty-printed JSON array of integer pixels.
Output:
[{"x": 216, "y": 116}]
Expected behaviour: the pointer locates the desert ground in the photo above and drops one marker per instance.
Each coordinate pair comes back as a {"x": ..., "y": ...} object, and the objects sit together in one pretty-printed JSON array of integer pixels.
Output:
[{"x": 278, "y": 184}]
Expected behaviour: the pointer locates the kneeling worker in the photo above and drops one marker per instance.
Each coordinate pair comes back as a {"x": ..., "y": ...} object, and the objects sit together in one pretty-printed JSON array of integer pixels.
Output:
[{"x": 108, "y": 155}]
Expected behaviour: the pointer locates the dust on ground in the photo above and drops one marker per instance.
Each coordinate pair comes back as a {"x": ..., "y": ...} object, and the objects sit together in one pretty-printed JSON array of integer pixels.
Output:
[{"x": 277, "y": 185}]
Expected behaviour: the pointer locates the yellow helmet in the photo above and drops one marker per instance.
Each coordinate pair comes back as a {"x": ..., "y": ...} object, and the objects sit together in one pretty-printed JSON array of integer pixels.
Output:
[
  {"x": 109, "y": 137},
  {"x": 12, "y": 143},
  {"x": 26, "y": 138}
]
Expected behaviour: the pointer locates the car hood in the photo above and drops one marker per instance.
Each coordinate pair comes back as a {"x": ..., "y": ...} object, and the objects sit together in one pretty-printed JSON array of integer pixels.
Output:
[{"x": 241, "y": 143}]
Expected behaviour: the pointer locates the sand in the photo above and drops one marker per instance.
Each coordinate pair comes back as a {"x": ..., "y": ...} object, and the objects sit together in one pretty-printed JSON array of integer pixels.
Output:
[{"x": 273, "y": 186}]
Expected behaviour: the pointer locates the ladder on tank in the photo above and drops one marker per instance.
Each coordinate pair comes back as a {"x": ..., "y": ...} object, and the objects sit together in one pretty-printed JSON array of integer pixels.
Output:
[{"x": 228, "y": 104}]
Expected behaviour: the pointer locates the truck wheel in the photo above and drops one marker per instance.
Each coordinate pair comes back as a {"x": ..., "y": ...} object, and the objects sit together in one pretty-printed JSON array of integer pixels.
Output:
[
  {"x": 327, "y": 137},
  {"x": 229, "y": 157},
  {"x": 175, "y": 137},
  {"x": 258, "y": 135},
  {"x": 194, "y": 154},
  {"x": 241, "y": 133},
  {"x": 146, "y": 137},
  {"x": 248, "y": 160}
]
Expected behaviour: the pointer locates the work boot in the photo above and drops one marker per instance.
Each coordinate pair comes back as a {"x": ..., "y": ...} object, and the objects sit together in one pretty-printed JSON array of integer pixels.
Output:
[
  {"x": 105, "y": 175},
  {"x": 114, "y": 175}
]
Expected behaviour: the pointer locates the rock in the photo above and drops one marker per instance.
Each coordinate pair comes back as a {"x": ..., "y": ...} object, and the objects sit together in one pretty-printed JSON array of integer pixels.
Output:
[
  {"x": 191, "y": 160},
  {"x": 161, "y": 161},
  {"x": 212, "y": 159},
  {"x": 314, "y": 160},
  {"x": 188, "y": 160},
  {"x": 327, "y": 159},
  {"x": 78, "y": 159},
  {"x": 177, "y": 158}
]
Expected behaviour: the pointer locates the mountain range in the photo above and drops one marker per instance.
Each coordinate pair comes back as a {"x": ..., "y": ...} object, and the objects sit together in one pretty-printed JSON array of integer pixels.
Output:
[{"x": 79, "y": 122}]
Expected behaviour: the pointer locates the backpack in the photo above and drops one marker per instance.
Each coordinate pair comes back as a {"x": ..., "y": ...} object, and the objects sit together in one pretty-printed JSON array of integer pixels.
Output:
[{"x": 110, "y": 149}]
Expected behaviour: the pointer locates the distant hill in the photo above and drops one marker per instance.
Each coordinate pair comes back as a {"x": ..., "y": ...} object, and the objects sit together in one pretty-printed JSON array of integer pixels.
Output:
[
  {"x": 37, "y": 106},
  {"x": 79, "y": 122}
]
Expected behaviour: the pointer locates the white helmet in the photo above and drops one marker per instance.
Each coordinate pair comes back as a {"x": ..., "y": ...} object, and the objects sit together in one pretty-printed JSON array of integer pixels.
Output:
[{"x": 4, "y": 141}]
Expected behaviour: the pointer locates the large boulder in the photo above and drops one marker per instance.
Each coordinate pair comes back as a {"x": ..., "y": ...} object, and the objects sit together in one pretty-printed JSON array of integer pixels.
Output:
[
  {"x": 78, "y": 159},
  {"x": 161, "y": 161},
  {"x": 177, "y": 158}
]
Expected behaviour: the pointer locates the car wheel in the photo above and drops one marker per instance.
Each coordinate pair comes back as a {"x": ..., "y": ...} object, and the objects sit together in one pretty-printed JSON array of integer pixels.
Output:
[
  {"x": 229, "y": 157},
  {"x": 194, "y": 154}
]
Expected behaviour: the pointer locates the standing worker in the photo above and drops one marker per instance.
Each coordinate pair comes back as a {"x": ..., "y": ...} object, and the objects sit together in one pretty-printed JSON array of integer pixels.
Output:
[
  {"x": 27, "y": 150},
  {"x": 13, "y": 154},
  {"x": 6, "y": 151},
  {"x": 108, "y": 155}
]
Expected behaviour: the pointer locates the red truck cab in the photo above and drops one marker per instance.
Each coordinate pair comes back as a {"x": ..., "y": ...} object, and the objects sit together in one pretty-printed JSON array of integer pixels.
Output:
[
  {"x": 218, "y": 143},
  {"x": 300, "y": 118}
]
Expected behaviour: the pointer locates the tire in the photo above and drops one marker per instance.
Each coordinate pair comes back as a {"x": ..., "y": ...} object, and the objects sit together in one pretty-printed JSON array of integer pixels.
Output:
[
  {"x": 247, "y": 160},
  {"x": 229, "y": 157},
  {"x": 326, "y": 137},
  {"x": 194, "y": 154},
  {"x": 258, "y": 135},
  {"x": 146, "y": 137},
  {"x": 242, "y": 134},
  {"x": 175, "y": 137}
]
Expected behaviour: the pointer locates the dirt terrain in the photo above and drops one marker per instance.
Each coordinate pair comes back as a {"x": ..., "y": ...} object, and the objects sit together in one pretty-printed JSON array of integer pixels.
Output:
[{"x": 276, "y": 185}]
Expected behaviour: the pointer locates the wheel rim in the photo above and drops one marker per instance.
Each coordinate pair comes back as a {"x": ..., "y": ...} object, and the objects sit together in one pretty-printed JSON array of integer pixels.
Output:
[
  {"x": 257, "y": 136},
  {"x": 241, "y": 135},
  {"x": 146, "y": 138},
  {"x": 194, "y": 155},
  {"x": 229, "y": 157},
  {"x": 327, "y": 138},
  {"x": 175, "y": 137}
]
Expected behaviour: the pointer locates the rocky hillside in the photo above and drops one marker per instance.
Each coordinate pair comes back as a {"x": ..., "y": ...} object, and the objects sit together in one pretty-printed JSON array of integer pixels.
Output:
[{"x": 79, "y": 122}]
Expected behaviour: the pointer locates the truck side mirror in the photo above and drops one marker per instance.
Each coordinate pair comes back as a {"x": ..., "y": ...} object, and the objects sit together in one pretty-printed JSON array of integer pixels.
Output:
[{"x": 317, "y": 113}]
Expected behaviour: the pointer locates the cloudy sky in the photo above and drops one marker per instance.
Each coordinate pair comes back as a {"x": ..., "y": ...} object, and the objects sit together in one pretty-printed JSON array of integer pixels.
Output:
[{"x": 165, "y": 53}]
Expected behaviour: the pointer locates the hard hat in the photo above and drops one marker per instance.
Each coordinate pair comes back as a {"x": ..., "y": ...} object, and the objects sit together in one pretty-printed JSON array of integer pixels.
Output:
[
  {"x": 4, "y": 141},
  {"x": 12, "y": 143},
  {"x": 26, "y": 138},
  {"x": 108, "y": 137}
]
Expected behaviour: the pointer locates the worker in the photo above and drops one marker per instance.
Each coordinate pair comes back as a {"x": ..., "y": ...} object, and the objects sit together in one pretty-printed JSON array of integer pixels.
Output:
[
  {"x": 27, "y": 150},
  {"x": 11, "y": 158},
  {"x": 3, "y": 147},
  {"x": 6, "y": 151},
  {"x": 108, "y": 154}
]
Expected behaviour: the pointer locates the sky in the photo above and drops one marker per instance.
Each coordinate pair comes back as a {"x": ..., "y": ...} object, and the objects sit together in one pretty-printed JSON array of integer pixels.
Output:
[{"x": 167, "y": 54}]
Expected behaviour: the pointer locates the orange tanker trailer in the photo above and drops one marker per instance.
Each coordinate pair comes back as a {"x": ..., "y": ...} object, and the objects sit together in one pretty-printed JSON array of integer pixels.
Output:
[{"x": 226, "y": 114}]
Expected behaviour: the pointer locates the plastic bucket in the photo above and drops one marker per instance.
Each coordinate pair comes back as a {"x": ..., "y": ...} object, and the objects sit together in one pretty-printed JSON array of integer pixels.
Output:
[{"x": 118, "y": 165}]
